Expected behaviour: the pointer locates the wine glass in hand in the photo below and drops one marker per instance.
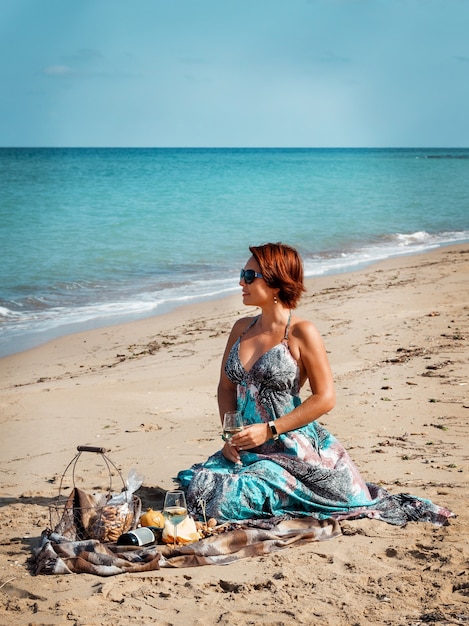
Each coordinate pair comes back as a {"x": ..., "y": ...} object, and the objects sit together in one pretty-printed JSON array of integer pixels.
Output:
[
  {"x": 232, "y": 424},
  {"x": 175, "y": 509}
]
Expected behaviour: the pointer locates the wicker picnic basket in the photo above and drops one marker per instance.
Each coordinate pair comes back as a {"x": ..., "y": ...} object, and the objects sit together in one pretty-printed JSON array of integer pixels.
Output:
[{"x": 103, "y": 516}]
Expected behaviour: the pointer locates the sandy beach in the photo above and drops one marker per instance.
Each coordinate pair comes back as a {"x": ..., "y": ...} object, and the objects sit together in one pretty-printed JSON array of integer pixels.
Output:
[{"x": 397, "y": 335}]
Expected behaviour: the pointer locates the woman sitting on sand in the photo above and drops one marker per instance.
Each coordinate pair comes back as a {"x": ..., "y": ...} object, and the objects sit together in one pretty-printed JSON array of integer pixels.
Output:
[{"x": 284, "y": 463}]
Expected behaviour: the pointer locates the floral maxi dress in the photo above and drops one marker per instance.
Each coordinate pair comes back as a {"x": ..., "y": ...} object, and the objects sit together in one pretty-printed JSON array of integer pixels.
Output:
[{"x": 306, "y": 472}]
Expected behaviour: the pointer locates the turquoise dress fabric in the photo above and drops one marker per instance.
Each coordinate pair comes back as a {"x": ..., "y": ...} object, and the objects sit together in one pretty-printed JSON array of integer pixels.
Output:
[{"x": 306, "y": 472}]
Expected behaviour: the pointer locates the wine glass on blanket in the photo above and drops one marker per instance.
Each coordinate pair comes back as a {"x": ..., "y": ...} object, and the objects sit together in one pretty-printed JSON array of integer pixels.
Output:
[{"x": 175, "y": 509}]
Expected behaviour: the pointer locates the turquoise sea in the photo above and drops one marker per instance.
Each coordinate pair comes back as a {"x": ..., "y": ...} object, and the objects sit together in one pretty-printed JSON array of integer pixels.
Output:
[{"x": 91, "y": 237}]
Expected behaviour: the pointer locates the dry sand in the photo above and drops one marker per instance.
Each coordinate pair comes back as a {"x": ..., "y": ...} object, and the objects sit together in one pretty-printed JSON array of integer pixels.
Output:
[{"x": 397, "y": 336}]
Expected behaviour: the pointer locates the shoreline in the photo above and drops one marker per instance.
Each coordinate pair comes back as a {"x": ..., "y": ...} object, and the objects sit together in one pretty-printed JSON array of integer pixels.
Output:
[
  {"x": 396, "y": 334},
  {"x": 11, "y": 344},
  {"x": 89, "y": 326}
]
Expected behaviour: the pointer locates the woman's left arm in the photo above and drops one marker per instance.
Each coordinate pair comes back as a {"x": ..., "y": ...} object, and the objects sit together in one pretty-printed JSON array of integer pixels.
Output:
[{"x": 308, "y": 348}]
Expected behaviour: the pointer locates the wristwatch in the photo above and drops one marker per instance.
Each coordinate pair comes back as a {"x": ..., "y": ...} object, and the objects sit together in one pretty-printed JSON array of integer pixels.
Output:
[{"x": 273, "y": 430}]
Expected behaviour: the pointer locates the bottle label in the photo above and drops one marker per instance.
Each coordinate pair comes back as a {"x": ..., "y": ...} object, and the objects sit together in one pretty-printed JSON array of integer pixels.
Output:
[{"x": 138, "y": 537}]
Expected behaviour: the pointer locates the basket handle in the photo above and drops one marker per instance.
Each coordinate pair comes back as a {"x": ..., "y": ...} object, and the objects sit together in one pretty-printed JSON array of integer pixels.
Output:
[{"x": 107, "y": 461}]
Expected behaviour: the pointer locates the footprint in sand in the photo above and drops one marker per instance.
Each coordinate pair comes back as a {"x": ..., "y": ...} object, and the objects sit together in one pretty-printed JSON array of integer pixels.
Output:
[{"x": 462, "y": 591}]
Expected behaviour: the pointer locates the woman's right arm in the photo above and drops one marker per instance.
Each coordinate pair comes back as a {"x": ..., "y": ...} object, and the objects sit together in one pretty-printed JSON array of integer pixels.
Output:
[{"x": 226, "y": 392}]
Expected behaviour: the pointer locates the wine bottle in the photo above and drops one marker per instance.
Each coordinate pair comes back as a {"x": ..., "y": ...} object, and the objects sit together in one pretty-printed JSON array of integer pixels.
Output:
[{"x": 142, "y": 536}]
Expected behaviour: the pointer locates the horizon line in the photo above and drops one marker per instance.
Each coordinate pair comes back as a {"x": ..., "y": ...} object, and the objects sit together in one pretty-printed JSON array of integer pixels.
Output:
[{"x": 103, "y": 147}]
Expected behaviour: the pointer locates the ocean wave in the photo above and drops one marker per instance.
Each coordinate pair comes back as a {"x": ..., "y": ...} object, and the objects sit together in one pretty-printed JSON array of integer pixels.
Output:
[
  {"x": 388, "y": 246},
  {"x": 420, "y": 236},
  {"x": 7, "y": 313},
  {"x": 430, "y": 239}
]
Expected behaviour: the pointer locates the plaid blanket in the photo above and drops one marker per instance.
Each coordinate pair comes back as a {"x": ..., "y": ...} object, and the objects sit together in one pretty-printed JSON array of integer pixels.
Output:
[{"x": 56, "y": 554}]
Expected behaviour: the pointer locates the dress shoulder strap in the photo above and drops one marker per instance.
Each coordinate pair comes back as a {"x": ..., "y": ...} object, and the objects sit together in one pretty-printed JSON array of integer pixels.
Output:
[
  {"x": 250, "y": 325},
  {"x": 287, "y": 328}
]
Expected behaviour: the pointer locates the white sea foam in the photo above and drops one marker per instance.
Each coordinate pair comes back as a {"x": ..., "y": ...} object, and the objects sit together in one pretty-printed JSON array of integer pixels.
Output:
[
  {"x": 391, "y": 246},
  {"x": 4, "y": 312}
]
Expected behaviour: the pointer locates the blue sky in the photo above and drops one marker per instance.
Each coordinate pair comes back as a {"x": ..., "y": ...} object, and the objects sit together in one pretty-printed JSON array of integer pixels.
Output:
[{"x": 306, "y": 73}]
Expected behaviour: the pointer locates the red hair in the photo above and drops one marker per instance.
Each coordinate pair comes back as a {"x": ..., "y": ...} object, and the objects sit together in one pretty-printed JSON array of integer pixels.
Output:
[{"x": 282, "y": 268}]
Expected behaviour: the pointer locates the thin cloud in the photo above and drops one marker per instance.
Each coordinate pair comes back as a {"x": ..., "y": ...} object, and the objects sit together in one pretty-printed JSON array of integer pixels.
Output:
[
  {"x": 88, "y": 63},
  {"x": 58, "y": 70},
  {"x": 332, "y": 58},
  {"x": 75, "y": 64},
  {"x": 84, "y": 56}
]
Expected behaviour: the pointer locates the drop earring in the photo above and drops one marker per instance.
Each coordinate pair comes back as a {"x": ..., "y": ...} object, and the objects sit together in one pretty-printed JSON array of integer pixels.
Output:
[{"x": 275, "y": 300}]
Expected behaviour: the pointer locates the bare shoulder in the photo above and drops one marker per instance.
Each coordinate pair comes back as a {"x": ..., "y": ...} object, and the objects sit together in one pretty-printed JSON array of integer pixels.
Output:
[
  {"x": 242, "y": 323},
  {"x": 239, "y": 327},
  {"x": 305, "y": 341},
  {"x": 304, "y": 330}
]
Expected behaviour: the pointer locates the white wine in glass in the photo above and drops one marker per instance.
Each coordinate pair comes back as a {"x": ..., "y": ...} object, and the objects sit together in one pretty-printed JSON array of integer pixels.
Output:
[
  {"x": 232, "y": 424},
  {"x": 175, "y": 509}
]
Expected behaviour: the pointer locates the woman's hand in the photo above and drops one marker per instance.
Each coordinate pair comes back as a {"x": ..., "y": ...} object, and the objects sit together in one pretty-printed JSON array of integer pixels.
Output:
[
  {"x": 251, "y": 436},
  {"x": 231, "y": 453}
]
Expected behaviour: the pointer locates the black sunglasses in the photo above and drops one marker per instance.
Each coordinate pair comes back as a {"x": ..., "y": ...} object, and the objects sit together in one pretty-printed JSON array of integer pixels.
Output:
[{"x": 249, "y": 276}]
